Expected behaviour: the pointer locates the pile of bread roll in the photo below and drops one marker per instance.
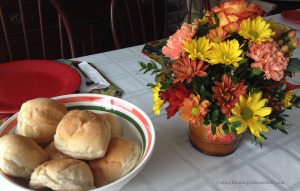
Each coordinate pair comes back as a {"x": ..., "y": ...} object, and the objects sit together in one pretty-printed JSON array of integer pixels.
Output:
[{"x": 61, "y": 150}]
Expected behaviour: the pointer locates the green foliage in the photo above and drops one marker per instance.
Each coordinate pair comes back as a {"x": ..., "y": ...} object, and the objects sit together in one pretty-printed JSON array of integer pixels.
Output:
[
  {"x": 202, "y": 31},
  {"x": 226, "y": 128},
  {"x": 213, "y": 129},
  {"x": 148, "y": 67},
  {"x": 256, "y": 71},
  {"x": 294, "y": 65}
]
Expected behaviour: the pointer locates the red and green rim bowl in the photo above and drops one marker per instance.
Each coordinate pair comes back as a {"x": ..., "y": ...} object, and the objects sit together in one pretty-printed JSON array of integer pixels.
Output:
[{"x": 136, "y": 124}]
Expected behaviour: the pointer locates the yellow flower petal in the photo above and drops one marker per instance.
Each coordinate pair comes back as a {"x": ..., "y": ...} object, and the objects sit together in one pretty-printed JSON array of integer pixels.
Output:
[
  {"x": 256, "y": 98},
  {"x": 250, "y": 113},
  {"x": 241, "y": 129},
  {"x": 228, "y": 53},
  {"x": 233, "y": 119},
  {"x": 259, "y": 104},
  {"x": 254, "y": 128},
  {"x": 263, "y": 111},
  {"x": 256, "y": 30}
]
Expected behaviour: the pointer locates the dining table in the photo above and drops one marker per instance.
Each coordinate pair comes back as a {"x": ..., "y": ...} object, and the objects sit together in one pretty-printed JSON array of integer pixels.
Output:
[{"x": 176, "y": 165}]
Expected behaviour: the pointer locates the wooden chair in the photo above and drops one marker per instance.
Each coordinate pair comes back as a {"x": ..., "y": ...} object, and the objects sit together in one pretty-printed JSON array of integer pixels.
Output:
[
  {"x": 135, "y": 22},
  {"x": 34, "y": 29}
]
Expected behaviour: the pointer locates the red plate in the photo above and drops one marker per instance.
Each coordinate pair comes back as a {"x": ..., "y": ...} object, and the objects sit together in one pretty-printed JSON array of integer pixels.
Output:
[
  {"x": 24, "y": 80},
  {"x": 292, "y": 15}
]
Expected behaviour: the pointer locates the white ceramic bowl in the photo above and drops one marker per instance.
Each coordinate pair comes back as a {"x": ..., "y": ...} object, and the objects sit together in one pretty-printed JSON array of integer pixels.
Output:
[{"x": 137, "y": 127}]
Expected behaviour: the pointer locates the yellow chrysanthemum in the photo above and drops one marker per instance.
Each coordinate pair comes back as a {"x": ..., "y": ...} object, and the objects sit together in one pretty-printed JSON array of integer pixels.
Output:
[
  {"x": 274, "y": 26},
  {"x": 158, "y": 101},
  {"x": 287, "y": 98},
  {"x": 226, "y": 53},
  {"x": 257, "y": 30},
  {"x": 251, "y": 113},
  {"x": 198, "y": 48}
]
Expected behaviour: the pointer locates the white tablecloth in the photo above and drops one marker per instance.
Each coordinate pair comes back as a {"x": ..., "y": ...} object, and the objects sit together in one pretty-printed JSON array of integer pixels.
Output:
[{"x": 176, "y": 166}]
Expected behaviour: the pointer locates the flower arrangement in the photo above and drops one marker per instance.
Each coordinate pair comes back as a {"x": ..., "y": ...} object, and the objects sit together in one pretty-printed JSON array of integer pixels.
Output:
[{"x": 231, "y": 68}]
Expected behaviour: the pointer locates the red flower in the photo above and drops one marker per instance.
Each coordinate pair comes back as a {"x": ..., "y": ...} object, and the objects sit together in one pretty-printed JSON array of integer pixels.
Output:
[
  {"x": 228, "y": 94},
  {"x": 175, "y": 97}
]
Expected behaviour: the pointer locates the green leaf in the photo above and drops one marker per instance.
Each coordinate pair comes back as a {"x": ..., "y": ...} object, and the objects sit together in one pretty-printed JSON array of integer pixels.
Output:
[
  {"x": 278, "y": 125},
  {"x": 235, "y": 124},
  {"x": 294, "y": 65},
  {"x": 283, "y": 115},
  {"x": 262, "y": 138},
  {"x": 154, "y": 72},
  {"x": 213, "y": 129},
  {"x": 243, "y": 61},
  {"x": 203, "y": 92},
  {"x": 234, "y": 79},
  {"x": 254, "y": 91},
  {"x": 165, "y": 67},
  {"x": 282, "y": 127},
  {"x": 147, "y": 70},
  {"x": 153, "y": 64},
  {"x": 151, "y": 85},
  {"x": 283, "y": 87},
  {"x": 157, "y": 78},
  {"x": 234, "y": 130},
  {"x": 226, "y": 128},
  {"x": 208, "y": 117},
  {"x": 142, "y": 64},
  {"x": 215, "y": 115},
  {"x": 206, "y": 122},
  {"x": 287, "y": 126},
  {"x": 256, "y": 71}
]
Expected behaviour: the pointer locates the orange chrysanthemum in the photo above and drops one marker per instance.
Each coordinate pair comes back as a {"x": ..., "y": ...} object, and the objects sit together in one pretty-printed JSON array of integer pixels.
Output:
[
  {"x": 193, "y": 110},
  {"x": 228, "y": 94},
  {"x": 217, "y": 35},
  {"x": 187, "y": 68}
]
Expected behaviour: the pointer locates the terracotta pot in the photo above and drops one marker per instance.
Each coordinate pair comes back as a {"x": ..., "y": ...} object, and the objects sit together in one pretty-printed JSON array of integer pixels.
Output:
[{"x": 219, "y": 144}]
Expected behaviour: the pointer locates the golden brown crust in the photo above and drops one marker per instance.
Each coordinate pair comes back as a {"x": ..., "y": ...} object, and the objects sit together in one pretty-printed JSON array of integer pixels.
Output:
[
  {"x": 116, "y": 128},
  {"x": 83, "y": 134},
  {"x": 63, "y": 174},
  {"x": 38, "y": 119},
  {"x": 20, "y": 155},
  {"x": 54, "y": 154},
  {"x": 121, "y": 157}
]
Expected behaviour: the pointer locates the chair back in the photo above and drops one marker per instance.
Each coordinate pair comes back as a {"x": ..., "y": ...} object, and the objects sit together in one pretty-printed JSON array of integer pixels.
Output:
[
  {"x": 34, "y": 29},
  {"x": 135, "y": 22}
]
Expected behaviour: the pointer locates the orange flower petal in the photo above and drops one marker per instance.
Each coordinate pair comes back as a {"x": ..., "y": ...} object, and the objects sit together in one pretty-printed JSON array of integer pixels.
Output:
[{"x": 223, "y": 20}]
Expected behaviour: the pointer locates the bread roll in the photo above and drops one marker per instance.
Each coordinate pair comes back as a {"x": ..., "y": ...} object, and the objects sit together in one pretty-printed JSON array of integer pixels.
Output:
[
  {"x": 83, "y": 134},
  {"x": 116, "y": 128},
  {"x": 20, "y": 155},
  {"x": 54, "y": 154},
  {"x": 121, "y": 157},
  {"x": 38, "y": 119},
  {"x": 63, "y": 174}
]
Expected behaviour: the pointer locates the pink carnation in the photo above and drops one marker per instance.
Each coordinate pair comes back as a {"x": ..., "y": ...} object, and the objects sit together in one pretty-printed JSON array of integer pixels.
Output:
[
  {"x": 269, "y": 59},
  {"x": 174, "y": 47}
]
